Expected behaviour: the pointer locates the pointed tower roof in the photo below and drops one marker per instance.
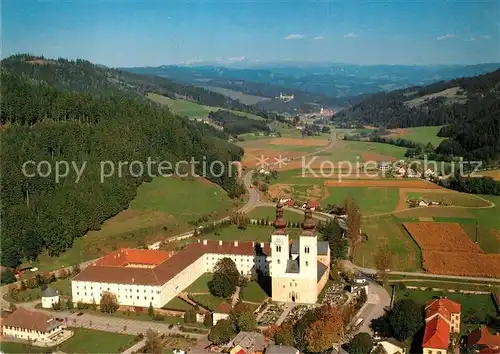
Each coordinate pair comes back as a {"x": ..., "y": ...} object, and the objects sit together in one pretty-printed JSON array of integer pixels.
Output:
[
  {"x": 308, "y": 225},
  {"x": 280, "y": 222}
]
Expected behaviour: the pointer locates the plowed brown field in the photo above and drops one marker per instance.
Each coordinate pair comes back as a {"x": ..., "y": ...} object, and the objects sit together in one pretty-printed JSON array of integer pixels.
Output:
[
  {"x": 447, "y": 249},
  {"x": 441, "y": 236},
  {"x": 404, "y": 183},
  {"x": 462, "y": 263}
]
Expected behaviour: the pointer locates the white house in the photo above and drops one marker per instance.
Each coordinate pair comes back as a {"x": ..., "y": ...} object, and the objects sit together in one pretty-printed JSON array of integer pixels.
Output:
[
  {"x": 50, "y": 296},
  {"x": 384, "y": 165},
  {"x": 392, "y": 346},
  {"x": 428, "y": 173},
  {"x": 221, "y": 312},
  {"x": 33, "y": 326},
  {"x": 401, "y": 171}
]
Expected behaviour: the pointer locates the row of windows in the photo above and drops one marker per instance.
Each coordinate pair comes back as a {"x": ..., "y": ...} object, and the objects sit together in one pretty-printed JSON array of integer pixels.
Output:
[{"x": 129, "y": 290}]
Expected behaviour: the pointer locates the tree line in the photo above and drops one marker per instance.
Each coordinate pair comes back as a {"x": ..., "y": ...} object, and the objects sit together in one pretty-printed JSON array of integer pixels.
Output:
[
  {"x": 236, "y": 124},
  {"x": 41, "y": 122},
  {"x": 472, "y": 122}
]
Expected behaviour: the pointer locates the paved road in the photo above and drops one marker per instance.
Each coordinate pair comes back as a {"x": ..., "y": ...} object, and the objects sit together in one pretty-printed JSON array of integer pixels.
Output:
[{"x": 112, "y": 324}]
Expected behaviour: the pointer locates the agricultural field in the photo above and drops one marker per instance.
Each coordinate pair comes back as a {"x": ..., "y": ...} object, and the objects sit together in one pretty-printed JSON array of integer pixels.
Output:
[
  {"x": 151, "y": 216},
  {"x": 495, "y": 174},
  {"x": 236, "y": 95},
  {"x": 299, "y": 192},
  {"x": 448, "y": 249},
  {"x": 265, "y": 212},
  {"x": 423, "y": 135},
  {"x": 192, "y": 109},
  {"x": 388, "y": 230},
  {"x": 371, "y": 200},
  {"x": 91, "y": 341},
  {"x": 448, "y": 197}
]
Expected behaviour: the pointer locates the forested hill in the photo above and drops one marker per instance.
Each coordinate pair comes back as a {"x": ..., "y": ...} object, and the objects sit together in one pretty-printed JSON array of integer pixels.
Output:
[
  {"x": 469, "y": 107},
  {"x": 76, "y": 116},
  {"x": 83, "y": 76}
]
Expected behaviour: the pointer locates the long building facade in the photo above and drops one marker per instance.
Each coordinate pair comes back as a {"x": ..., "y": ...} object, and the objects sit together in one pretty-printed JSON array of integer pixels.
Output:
[{"x": 147, "y": 277}]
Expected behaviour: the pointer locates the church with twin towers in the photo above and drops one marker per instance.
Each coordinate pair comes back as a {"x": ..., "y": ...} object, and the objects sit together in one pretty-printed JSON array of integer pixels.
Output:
[{"x": 300, "y": 268}]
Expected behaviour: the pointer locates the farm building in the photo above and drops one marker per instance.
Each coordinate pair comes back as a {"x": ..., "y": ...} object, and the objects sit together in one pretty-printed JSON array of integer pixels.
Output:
[
  {"x": 442, "y": 317},
  {"x": 484, "y": 341},
  {"x": 149, "y": 277}
]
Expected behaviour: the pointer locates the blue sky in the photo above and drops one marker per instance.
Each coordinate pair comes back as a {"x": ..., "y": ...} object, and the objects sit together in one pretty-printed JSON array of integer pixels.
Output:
[{"x": 147, "y": 32}]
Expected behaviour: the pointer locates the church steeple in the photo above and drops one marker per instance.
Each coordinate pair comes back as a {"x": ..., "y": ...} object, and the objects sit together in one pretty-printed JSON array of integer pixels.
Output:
[
  {"x": 280, "y": 222},
  {"x": 308, "y": 225}
]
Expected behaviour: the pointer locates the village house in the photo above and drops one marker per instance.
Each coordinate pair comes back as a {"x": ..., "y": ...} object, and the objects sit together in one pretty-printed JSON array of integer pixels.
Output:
[
  {"x": 248, "y": 343},
  {"x": 385, "y": 165},
  {"x": 483, "y": 341},
  {"x": 221, "y": 312},
  {"x": 313, "y": 204},
  {"x": 360, "y": 283},
  {"x": 34, "y": 326},
  {"x": 392, "y": 346},
  {"x": 50, "y": 296},
  {"x": 442, "y": 317}
]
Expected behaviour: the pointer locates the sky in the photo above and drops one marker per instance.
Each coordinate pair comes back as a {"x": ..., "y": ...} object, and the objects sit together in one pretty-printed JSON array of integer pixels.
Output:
[{"x": 125, "y": 33}]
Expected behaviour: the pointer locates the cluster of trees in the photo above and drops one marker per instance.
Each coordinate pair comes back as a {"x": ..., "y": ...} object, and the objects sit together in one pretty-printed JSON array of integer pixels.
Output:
[
  {"x": 338, "y": 243},
  {"x": 314, "y": 129},
  {"x": 46, "y": 123},
  {"x": 402, "y": 322},
  {"x": 240, "y": 319},
  {"x": 236, "y": 124},
  {"x": 225, "y": 278},
  {"x": 472, "y": 123},
  {"x": 316, "y": 331},
  {"x": 474, "y": 185}
]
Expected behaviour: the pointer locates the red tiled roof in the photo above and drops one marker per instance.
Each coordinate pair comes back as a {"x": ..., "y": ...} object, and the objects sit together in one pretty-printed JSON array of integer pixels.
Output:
[
  {"x": 124, "y": 256},
  {"x": 100, "y": 271},
  {"x": 223, "y": 308},
  {"x": 437, "y": 334},
  {"x": 31, "y": 320},
  {"x": 484, "y": 337},
  {"x": 290, "y": 202},
  {"x": 443, "y": 306},
  {"x": 313, "y": 203}
]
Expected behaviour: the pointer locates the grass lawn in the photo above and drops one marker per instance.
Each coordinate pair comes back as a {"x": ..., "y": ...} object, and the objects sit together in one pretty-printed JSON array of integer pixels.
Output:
[
  {"x": 158, "y": 195},
  {"x": 200, "y": 285},
  {"x": 370, "y": 200},
  {"x": 388, "y": 230},
  {"x": 480, "y": 306},
  {"x": 253, "y": 293},
  {"x": 208, "y": 301},
  {"x": 449, "y": 198},
  {"x": 64, "y": 287},
  {"x": 270, "y": 212},
  {"x": 177, "y": 304},
  {"x": 251, "y": 233},
  {"x": 11, "y": 347},
  {"x": 422, "y": 135},
  {"x": 90, "y": 341}
]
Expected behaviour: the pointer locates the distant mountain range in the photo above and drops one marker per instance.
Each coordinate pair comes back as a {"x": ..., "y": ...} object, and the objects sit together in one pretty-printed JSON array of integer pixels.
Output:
[{"x": 326, "y": 79}]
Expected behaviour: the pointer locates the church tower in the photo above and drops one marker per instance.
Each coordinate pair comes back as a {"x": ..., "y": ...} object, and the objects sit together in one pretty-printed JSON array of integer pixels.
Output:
[
  {"x": 308, "y": 253},
  {"x": 279, "y": 244}
]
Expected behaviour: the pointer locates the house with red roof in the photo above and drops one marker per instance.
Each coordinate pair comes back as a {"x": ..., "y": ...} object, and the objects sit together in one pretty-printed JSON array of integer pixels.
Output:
[
  {"x": 484, "y": 342},
  {"x": 221, "y": 312},
  {"x": 442, "y": 317}
]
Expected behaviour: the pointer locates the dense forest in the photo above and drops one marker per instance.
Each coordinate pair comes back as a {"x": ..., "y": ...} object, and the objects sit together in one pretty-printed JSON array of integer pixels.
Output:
[
  {"x": 236, "y": 124},
  {"x": 82, "y": 118},
  {"x": 83, "y": 76},
  {"x": 470, "y": 111}
]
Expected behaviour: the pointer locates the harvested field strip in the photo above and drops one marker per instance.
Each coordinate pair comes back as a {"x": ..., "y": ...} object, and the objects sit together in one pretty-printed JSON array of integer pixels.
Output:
[
  {"x": 462, "y": 263},
  {"x": 384, "y": 183},
  {"x": 432, "y": 236},
  {"x": 434, "y": 211},
  {"x": 299, "y": 142}
]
